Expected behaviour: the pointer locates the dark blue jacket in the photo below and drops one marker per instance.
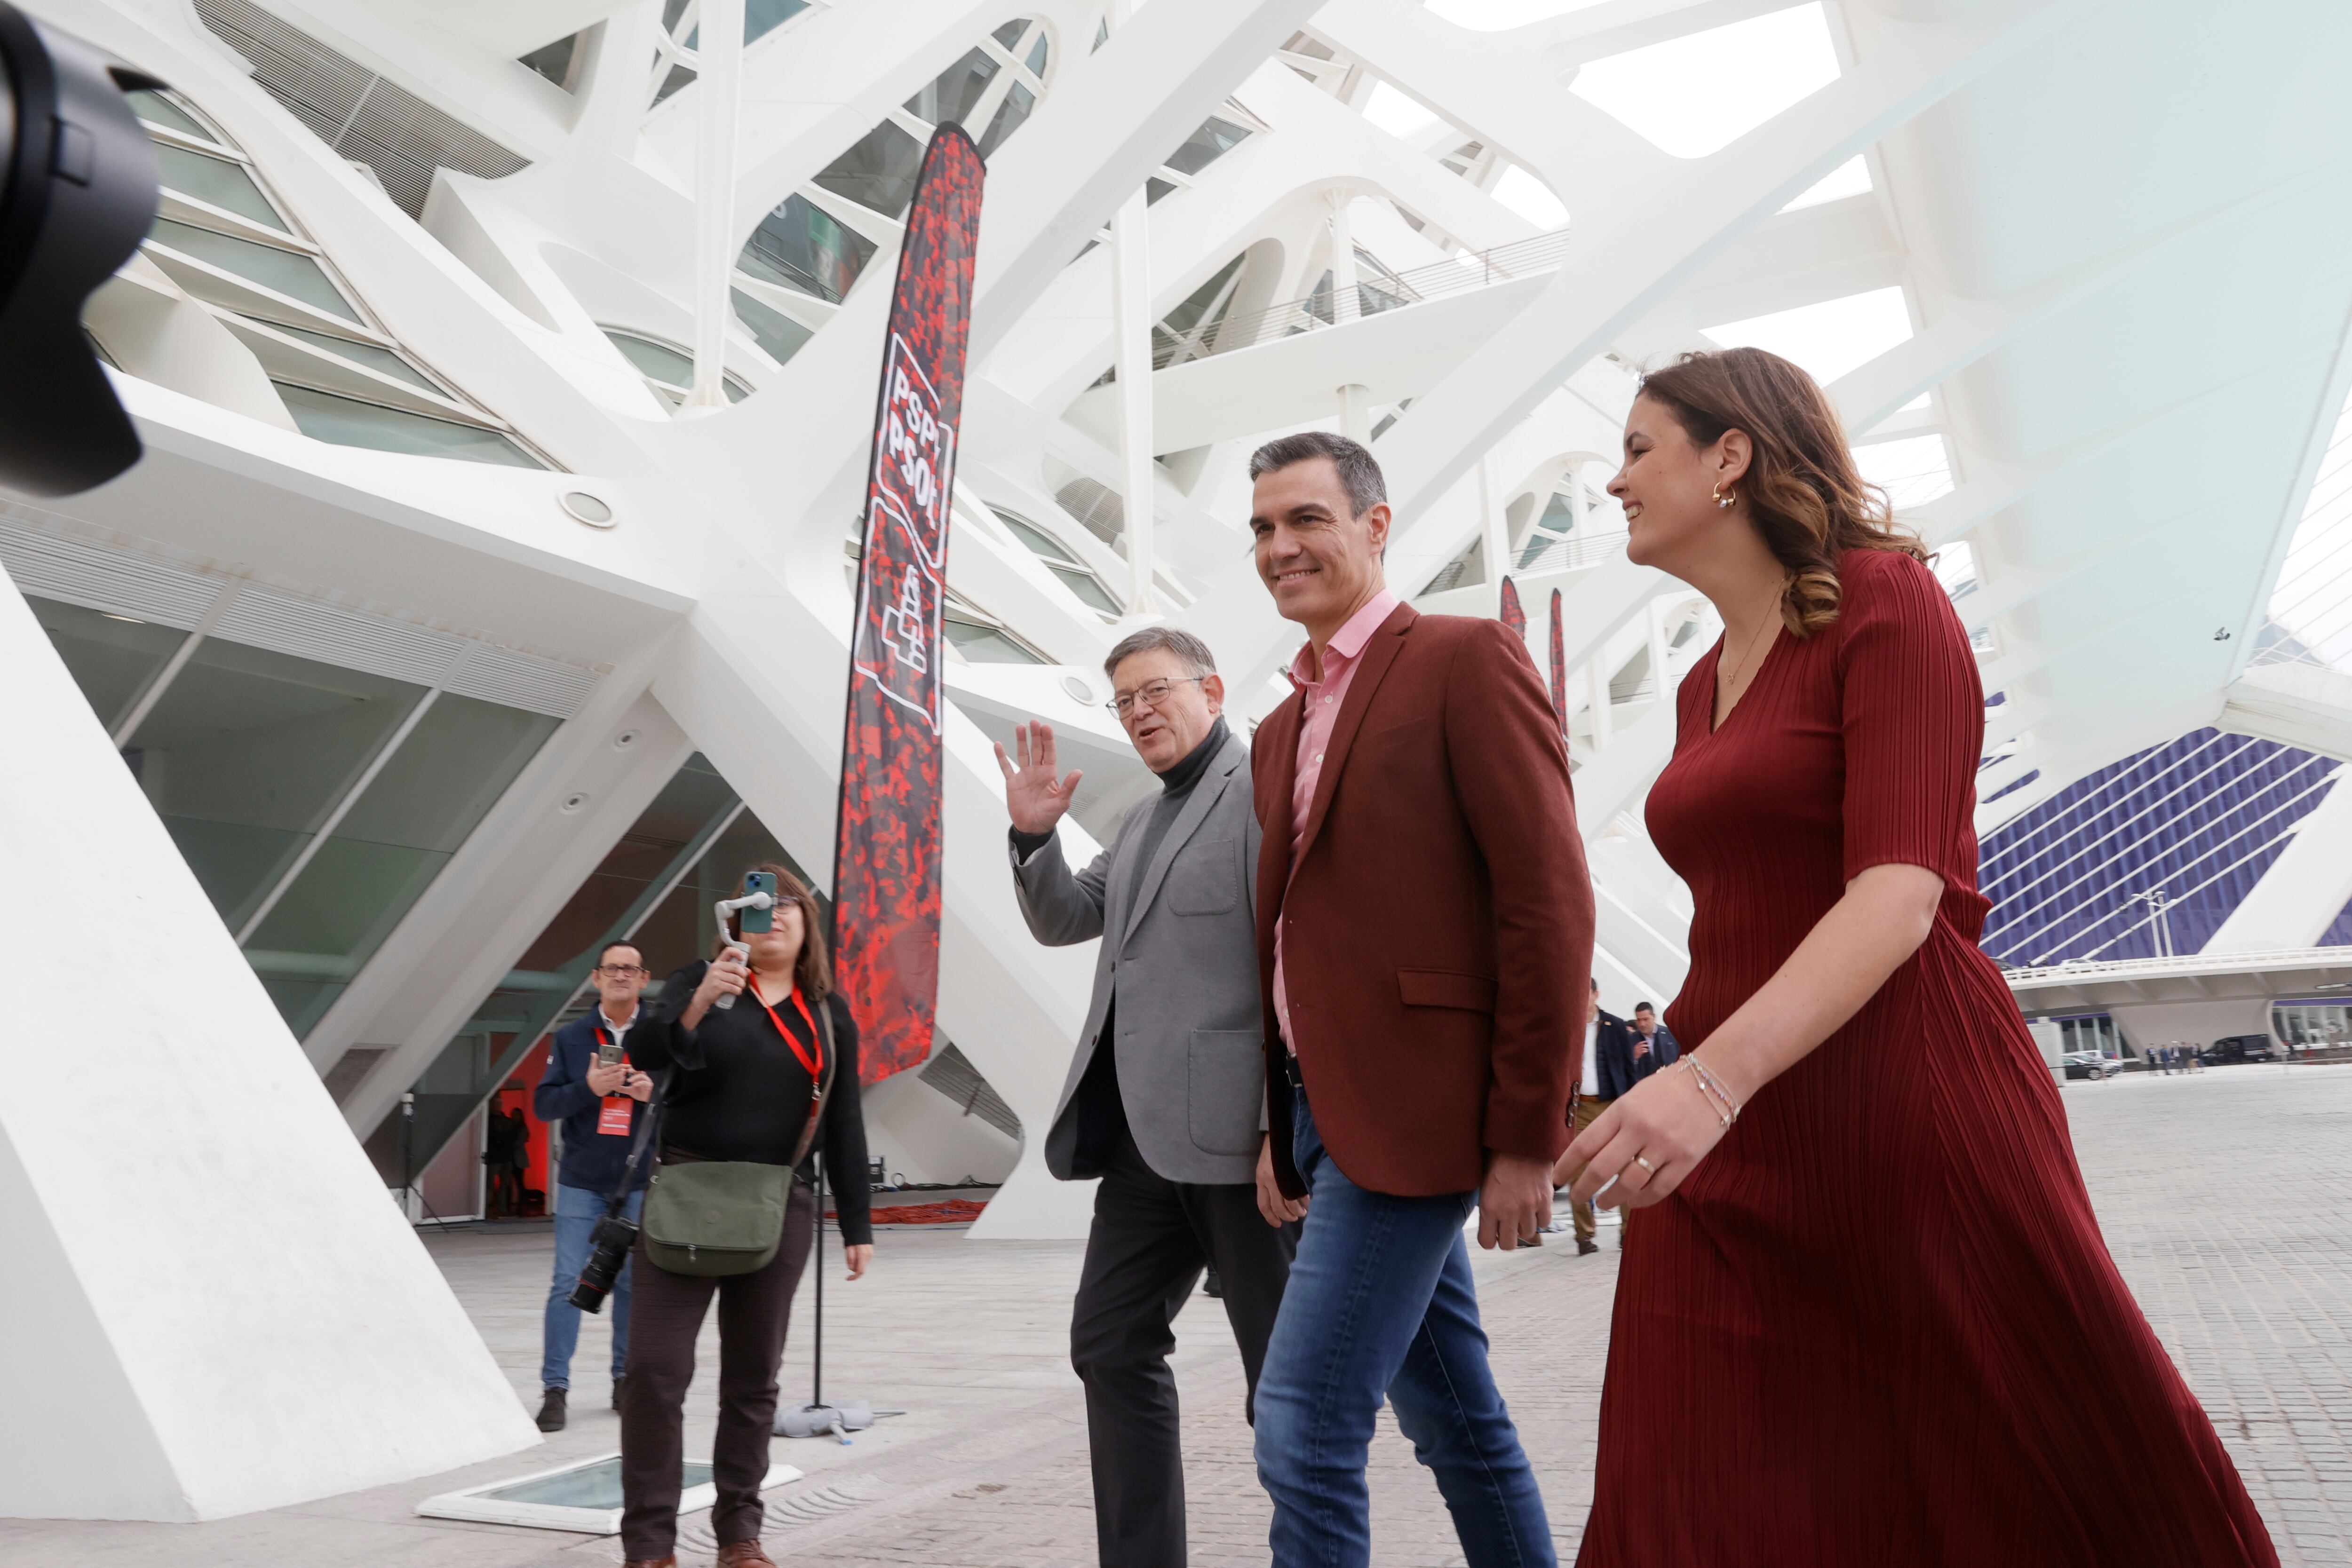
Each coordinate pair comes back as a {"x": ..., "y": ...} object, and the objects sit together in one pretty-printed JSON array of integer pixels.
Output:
[
  {"x": 591, "y": 1160},
  {"x": 1612, "y": 1051},
  {"x": 1663, "y": 1048}
]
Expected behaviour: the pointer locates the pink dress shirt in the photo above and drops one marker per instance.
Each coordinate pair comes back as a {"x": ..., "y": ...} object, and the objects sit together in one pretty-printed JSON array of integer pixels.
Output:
[{"x": 1325, "y": 697}]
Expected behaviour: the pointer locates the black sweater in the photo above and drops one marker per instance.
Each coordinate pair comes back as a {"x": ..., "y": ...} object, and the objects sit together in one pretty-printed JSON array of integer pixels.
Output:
[{"x": 738, "y": 1091}]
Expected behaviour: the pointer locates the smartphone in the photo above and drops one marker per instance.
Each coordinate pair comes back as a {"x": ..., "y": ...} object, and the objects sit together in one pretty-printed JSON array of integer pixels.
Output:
[
  {"x": 751, "y": 920},
  {"x": 609, "y": 1053}
]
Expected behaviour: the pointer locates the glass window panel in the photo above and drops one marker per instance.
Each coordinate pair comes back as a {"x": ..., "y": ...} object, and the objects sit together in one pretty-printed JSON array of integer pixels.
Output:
[
  {"x": 247, "y": 752},
  {"x": 986, "y": 645},
  {"x": 367, "y": 354},
  {"x": 222, "y": 184},
  {"x": 761, "y": 17},
  {"x": 671, "y": 11},
  {"x": 1088, "y": 588},
  {"x": 1035, "y": 538},
  {"x": 1190, "y": 313},
  {"x": 291, "y": 274},
  {"x": 1009, "y": 34},
  {"x": 878, "y": 172},
  {"x": 682, "y": 810},
  {"x": 681, "y": 929},
  {"x": 679, "y": 76},
  {"x": 1205, "y": 146},
  {"x": 110, "y": 658},
  {"x": 659, "y": 360},
  {"x": 453, "y": 765},
  {"x": 156, "y": 109},
  {"x": 1155, "y": 187},
  {"x": 957, "y": 91},
  {"x": 774, "y": 330},
  {"x": 1037, "y": 53},
  {"x": 553, "y": 61},
  {"x": 803, "y": 248},
  {"x": 1018, "y": 101},
  {"x": 348, "y": 421}
]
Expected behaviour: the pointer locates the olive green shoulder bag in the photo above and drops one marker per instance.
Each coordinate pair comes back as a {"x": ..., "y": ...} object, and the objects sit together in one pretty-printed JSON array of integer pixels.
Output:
[{"x": 727, "y": 1216}]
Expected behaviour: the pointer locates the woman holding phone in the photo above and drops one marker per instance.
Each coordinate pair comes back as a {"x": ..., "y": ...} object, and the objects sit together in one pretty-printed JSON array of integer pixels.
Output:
[
  {"x": 744, "y": 1079},
  {"x": 1867, "y": 1317}
]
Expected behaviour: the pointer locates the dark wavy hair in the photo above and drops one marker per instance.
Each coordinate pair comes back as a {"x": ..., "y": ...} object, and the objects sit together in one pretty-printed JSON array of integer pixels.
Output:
[
  {"x": 1808, "y": 499},
  {"x": 814, "y": 972}
]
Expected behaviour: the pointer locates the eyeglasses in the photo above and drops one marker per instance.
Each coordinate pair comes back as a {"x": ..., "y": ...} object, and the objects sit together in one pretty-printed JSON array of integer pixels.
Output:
[
  {"x": 622, "y": 971},
  {"x": 1151, "y": 694}
]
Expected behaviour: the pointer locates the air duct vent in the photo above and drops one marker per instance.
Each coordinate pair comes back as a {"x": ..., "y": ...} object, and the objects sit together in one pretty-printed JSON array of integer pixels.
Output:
[
  {"x": 362, "y": 117},
  {"x": 951, "y": 1073}
]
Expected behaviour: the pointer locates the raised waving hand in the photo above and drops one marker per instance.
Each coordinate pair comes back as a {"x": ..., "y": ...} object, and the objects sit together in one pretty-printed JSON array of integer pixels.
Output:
[{"x": 1035, "y": 793}]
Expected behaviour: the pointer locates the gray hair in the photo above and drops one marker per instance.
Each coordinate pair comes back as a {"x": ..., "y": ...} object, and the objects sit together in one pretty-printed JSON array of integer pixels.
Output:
[
  {"x": 1183, "y": 644},
  {"x": 1359, "y": 472}
]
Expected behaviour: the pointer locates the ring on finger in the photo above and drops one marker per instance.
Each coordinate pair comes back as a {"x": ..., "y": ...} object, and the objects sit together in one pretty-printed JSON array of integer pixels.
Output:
[{"x": 1643, "y": 1162}]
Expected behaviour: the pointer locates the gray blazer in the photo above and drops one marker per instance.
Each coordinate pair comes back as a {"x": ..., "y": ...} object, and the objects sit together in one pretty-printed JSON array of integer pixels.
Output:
[{"x": 1191, "y": 1034}]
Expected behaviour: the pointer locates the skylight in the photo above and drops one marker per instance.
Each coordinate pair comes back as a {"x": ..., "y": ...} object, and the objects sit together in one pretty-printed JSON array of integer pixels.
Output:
[
  {"x": 1395, "y": 113},
  {"x": 1693, "y": 96},
  {"x": 1530, "y": 198},
  {"x": 1494, "y": 16},
  {"x": 1851, "y": 178},
  {"x": 1828, "y": 338},
  {"x": 1913, "y": 472}
]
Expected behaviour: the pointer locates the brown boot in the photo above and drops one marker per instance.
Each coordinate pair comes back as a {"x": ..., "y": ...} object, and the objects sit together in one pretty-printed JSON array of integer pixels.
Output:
[{"x": 745, "y": 1554}]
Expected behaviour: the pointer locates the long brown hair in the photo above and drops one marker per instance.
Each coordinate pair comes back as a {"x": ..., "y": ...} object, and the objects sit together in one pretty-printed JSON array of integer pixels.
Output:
[
  {"x": 813, "y": 971},
  {"x": 1809, "y": 501}
]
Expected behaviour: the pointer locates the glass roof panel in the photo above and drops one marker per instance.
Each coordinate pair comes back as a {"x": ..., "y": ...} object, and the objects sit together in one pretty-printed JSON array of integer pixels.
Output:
[
  {"x": 957, "y": 91},
  {"x": 348, "y": 421},
  {"x": 878, "y": 172},
  {"x": 216, "y": 181},
  {"x": 1214, "y": 139},
  {"x": 287, "y": 272},
  {"x": 156, "y": 109}
]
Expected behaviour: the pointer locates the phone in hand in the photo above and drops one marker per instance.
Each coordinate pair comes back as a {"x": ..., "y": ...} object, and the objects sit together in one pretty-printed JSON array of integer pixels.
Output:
[
  {"x": 608, "y": 1053},
  {"x": 751, "y": 920}
]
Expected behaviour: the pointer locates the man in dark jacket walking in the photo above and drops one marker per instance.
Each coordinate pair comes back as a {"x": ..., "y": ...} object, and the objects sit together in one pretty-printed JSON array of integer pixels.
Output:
[
  {"x": 1654, "y": 1045},
  {"x": 597, "y": 1105},
  {"x": 1610, "y": 1069}
]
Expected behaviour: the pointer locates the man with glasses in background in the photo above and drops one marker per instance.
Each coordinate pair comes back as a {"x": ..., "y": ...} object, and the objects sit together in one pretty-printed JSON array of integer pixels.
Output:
[
  {"x": 1165, "y": 1096},
  {"x": 596, "y": 1105}
]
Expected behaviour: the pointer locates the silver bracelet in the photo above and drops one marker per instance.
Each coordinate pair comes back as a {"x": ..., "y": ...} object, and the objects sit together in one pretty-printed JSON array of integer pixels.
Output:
[{"x": 1719, "y": 1099}]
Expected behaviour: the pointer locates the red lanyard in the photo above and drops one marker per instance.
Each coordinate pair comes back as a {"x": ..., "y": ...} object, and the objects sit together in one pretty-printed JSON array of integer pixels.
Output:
[{"x": 815, "y": 1065}]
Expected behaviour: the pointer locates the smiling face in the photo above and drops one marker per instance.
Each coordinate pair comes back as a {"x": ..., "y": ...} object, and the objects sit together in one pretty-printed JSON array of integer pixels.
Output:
[
  {"x": 1319, "y": 558},
  {"x": 1669, "y": 485},
  {"x": 1166, "y": 731}
]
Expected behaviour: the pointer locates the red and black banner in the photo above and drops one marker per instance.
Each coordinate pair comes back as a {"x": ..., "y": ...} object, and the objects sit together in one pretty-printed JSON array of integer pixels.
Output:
[
  {"x": 885, "y": 868},
  {"x": 1559, "y": 666},
  {"x": 1512, "y": 615}
]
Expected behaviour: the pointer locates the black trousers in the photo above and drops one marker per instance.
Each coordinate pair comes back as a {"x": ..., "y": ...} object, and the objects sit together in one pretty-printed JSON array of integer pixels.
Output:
[
  {"x": 1150, "y": 1239},
  {"x": 665, "y": 1313}
]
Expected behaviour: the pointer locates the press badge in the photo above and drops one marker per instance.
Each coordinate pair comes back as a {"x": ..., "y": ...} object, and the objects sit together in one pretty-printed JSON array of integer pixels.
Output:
[{"x": 613, "y": 1116}]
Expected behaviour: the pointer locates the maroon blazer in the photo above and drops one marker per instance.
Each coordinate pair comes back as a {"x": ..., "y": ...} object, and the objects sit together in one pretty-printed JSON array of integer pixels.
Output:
[{"x": 1437, "y": 929}]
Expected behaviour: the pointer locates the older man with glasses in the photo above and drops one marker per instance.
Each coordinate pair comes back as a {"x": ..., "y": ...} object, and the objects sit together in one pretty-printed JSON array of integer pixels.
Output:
[
  {"x": 596, "y": 1102},
  {"x": 1165, "y": 1096}
]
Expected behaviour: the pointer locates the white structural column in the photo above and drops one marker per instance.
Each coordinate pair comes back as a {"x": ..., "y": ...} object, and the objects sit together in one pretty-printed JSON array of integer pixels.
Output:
[
  {"x": 721, "y": 24},
  {"x": 1346, "y": 305},
  {"x": 194, "y": 1346},
  {"x": 2304, "y": 889},
  {"x": 1496, "y": 535},
  {"x": 1130, "y": 312}
]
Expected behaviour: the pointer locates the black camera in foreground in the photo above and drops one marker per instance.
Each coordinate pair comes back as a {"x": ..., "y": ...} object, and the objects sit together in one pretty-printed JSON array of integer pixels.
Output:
[{"x": 608, "y": 1254}]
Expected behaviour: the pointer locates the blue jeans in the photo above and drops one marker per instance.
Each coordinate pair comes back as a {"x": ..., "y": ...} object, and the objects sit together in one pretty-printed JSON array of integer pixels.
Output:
[
  {"x": 1380, "y": 1300},
  {"x": 577, "y": 1210}
]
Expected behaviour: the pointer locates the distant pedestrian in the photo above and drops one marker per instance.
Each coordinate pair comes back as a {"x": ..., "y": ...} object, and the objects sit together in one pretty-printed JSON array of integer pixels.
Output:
[{"x": 1654, "y": 1045}]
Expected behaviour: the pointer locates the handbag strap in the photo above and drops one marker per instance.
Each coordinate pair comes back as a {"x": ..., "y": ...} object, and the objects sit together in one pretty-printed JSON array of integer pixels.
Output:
[
  {"x": 637, "y": 1146},
  {"x": 824, "y": 1088}
]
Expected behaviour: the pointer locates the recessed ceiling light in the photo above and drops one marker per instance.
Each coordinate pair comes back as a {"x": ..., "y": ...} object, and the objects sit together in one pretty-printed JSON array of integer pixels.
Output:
[{"x": 582, "y": 507}]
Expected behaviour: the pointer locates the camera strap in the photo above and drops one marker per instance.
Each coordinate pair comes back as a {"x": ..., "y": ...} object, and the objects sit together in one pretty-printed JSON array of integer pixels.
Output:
[{"x": 640, "y": 1144}]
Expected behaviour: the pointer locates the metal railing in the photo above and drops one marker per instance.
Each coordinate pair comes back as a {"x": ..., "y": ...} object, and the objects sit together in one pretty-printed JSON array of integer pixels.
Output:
[
  {"x": 1381, "y": 293},
  {"x": 2077, "y": 969}
]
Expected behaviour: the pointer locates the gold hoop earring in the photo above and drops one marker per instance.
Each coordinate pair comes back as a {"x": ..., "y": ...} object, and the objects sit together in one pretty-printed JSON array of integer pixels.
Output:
[{"x": 1721, "y": 499}]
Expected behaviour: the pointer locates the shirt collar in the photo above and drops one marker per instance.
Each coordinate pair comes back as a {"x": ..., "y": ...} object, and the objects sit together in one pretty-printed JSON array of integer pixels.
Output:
[
  {"x": 603, "y": 1021},
  {"x": 1350, "y": 640}
]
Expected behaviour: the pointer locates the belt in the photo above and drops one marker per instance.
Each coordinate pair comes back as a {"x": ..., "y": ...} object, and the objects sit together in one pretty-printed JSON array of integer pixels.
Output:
[{"x": 1290, "y": 1070}]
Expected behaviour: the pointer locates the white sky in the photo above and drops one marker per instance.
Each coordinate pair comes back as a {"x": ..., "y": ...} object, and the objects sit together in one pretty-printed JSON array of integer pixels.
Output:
[
  {"x": 1395, "y": 113},
  {"x": 1828, "y": 338},
  {"x": 1851, "y": 178},
  {"x": 1493, "y": 15},
  {"x": 1690, "y": 97},
  {"x": 1529, "y": 197}
]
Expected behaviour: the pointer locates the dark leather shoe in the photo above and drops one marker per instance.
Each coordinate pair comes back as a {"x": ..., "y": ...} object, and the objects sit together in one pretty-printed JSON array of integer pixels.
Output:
[
  {"x": 744, "y": 1555},
  {"x": 1585, "y": 1244},
  {"x": 620, "y": 1386},
  {"x": 552, "y": 1413},
  {"x": 670, "y": 1562}
]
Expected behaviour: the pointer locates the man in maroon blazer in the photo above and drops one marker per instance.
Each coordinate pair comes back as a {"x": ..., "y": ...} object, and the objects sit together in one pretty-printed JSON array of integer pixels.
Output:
[{"x": 1424, "y": 936}]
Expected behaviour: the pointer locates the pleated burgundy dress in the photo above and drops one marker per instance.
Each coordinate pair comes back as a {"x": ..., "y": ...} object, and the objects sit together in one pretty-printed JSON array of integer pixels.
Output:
[{"x": 1877, "y": 1326}]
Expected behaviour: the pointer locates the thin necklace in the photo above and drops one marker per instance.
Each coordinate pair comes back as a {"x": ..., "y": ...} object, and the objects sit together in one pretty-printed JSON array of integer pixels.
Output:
[{"x": 1761, "y": 627}]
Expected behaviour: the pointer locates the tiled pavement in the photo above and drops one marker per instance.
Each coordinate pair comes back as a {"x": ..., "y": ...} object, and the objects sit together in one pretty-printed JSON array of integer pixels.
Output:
[{"x": 2227, "y": 1198}]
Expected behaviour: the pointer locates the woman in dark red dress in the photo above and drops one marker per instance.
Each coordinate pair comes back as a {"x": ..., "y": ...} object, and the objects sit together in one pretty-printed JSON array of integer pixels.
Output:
[{"x": 1866, "y": 1320}]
